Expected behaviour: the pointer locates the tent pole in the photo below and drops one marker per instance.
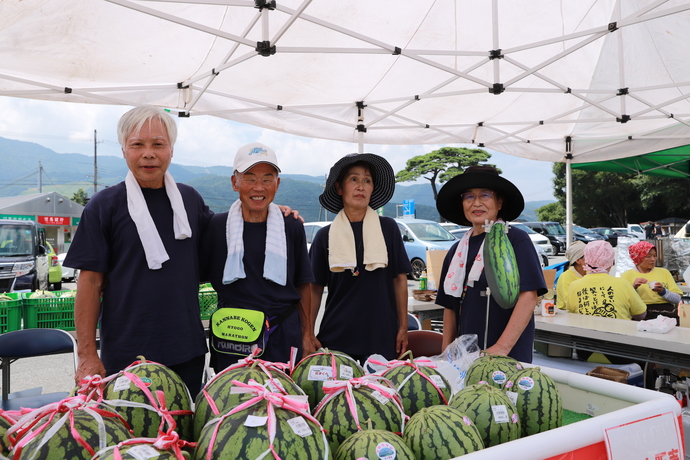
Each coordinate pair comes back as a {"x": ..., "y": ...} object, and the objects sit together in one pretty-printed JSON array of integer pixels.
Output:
[{"x": 568, "y": 200}]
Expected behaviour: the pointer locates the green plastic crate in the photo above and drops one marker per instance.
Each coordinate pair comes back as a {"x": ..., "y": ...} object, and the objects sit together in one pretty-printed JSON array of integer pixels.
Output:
[
  {"x": 55, "y": 313},
  {"x": 208, "y": 302},
  {"x": 11, "y": 312}
]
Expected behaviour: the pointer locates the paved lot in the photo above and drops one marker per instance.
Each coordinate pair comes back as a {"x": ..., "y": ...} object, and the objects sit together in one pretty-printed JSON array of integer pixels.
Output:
[{"x": 56, "y": 373}]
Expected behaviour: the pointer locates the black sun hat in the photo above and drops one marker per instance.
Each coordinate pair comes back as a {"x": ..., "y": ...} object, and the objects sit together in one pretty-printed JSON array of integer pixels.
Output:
[
  {"x": 384, "y": 181},
  {"x": 449, "y": 204}
]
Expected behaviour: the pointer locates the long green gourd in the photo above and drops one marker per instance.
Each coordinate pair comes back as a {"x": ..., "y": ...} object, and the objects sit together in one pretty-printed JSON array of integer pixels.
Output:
[{"x": 500, "y": 266}]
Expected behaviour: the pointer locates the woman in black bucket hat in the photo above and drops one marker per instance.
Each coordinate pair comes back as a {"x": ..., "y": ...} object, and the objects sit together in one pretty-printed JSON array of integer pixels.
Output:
[
  {"x": 362, "y": 260},
  {"x": 476, "y": 198}
]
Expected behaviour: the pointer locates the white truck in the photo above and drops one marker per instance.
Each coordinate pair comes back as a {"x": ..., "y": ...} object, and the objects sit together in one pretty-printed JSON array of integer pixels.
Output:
[{"x": 634, "y": 229}]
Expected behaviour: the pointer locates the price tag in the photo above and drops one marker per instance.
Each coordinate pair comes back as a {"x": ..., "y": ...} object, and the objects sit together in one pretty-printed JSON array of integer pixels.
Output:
[
  {"x": 653, "y": 438},
  {"x": 235, "y": 390},
  {"x": 143, "y": 452},
  {"x": 300, "y": 426},
  {"x": 275, "y": 386},
  {"x": 320, "y": 373},
  {"x": 345, "y": 372},
  {"x": 513, "y": 396},
  {"x": 122, "y": 383},
  {"x": 438, "y": 380},
  {"x": 380, "y": 397},
  {"x": 254, "y": 421},
  {"x": 500, "y": 414}
]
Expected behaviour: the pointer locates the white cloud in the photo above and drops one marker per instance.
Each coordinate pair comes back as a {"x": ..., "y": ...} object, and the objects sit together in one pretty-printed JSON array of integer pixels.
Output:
[{"x": 209, "y": 141}]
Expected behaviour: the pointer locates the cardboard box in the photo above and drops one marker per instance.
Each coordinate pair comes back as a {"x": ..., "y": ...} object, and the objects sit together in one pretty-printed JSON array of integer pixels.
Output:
[
  {"x": 434, "y": 264},
  {"x": 684, "y": 314}
]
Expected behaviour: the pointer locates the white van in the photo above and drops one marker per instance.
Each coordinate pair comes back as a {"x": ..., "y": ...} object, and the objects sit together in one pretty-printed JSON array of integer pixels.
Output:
[{"x": 634, "y": 229}]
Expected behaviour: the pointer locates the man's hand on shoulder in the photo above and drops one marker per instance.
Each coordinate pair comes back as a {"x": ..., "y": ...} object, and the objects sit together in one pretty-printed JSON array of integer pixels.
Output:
[{"x": 287, "y": 210}]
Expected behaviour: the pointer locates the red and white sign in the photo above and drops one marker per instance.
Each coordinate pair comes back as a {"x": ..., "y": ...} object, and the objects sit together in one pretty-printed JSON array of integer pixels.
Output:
[
  {"x": 654, "y": 438},
  {"x": 54, "y": 220}
]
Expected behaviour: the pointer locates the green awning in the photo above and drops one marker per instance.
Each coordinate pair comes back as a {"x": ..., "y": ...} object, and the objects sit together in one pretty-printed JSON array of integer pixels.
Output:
[{"x": 673, "y": 162}]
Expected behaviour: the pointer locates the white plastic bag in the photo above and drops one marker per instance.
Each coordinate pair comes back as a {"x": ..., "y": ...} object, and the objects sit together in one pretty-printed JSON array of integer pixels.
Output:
[{"x": 456, "y": 359}]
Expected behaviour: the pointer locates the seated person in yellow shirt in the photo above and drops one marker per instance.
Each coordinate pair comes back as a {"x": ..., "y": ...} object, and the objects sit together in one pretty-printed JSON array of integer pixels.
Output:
[
  {"x": 576, "y": 270},
  {"x": 665, "y": 295},
  {"x": 600, "y": 294}
]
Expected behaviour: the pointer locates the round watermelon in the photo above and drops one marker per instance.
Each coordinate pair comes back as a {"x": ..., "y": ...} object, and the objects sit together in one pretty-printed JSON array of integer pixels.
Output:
[
  {"x": 491, "y": 411},
  {"x": 57, "y": 441},
  {"x": 374, "y": 444},
  {"x": 220, "y": 395},
  {"x": 136, "y": 451},
  {"x": 440, "y": 433},
  {"x": 324, "y": 365},
  {"x": 538, "y": 400},
  {"x": 492, "y": 369},
  {"x": 244, "y": 435},
  {"x": 345, "y": 412},
  {"x": 6, "y": 422},
  {"x": 418, "y": 385},
  {"x": 140, "y": 384}
]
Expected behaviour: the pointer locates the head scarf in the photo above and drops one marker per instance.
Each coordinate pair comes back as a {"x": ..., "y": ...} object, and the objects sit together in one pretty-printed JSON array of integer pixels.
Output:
[
  {"x": 599, "y": 256},
  {"x": 639, "y": 251},
  {"x": 575, "y": 252}
]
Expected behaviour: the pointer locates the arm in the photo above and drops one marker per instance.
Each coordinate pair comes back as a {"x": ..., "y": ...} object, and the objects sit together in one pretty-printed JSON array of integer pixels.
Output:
[
  {"x": 400, "y": 288},
  {"x": 522, "y": 313},
  {"x": 304, "y": 307},
  {"x": 316, "y": 294},
  {"x": 449, "y": 327},
  {"x": 639, "y": 317},
  {"x": 87, "y": 309}
]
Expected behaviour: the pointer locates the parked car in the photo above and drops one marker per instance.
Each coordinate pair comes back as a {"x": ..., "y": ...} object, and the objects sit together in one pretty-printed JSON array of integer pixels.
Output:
[
  {"x": 419, "y": 236},
  {"x": 633, "y": 229},
  {"x": 554, "y": 231},
  {"x": 460, "y": 232},
  {"x": 310, "y": 228},
  {"x": 613, "y": 234},
  {"x": 68, "y": 273},
  {"x": 538, "y": 239},
  {"x": 586, "y": 235},
  {"x": 543, "y": 258},
  {"x": 450, "y": 226},
  {"x": 23, "y": 256},
  {"x": 54, "y": 269}
]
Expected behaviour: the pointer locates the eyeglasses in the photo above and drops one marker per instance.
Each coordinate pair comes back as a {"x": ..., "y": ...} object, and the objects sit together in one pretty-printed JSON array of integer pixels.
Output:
[
  {"x": 469, "y": 197},
  {"x": 253, "y": 180}
]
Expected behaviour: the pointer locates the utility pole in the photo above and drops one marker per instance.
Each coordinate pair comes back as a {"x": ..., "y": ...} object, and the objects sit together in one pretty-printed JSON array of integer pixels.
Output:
[
  {"x": 95, "y": 163},
  {"x": 40, "y": 177}
]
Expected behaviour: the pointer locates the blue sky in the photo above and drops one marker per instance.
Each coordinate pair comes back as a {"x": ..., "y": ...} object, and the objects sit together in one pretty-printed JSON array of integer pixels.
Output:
[{"x": 210, "y": 141}]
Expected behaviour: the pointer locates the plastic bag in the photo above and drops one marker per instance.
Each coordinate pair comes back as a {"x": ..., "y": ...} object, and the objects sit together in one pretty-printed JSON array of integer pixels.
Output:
[{"x": 456, "y": 359}]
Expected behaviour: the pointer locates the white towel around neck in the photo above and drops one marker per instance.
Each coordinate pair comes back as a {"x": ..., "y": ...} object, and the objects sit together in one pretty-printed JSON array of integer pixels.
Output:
[
  {"x": 148, "y": 233},
  {"x": 342, "y": 254},
  {"x": 275, "y": 260}
]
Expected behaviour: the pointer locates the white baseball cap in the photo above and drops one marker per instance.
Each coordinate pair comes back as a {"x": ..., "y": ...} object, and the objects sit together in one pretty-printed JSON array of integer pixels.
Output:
[{"x": 252, "y": 154}]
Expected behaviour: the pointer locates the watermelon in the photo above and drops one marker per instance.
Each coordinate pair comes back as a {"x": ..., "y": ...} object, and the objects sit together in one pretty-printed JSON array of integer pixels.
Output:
[
  {"x": 324, "y": 365},
  {"x": 492, "y": 369},
  {"x": 418, "y": 383},
  {"x": 243, "y": 433},
  {"x": 220, "y": 395},
  {"x": 537, "y": 400},
  {"x": 6, "y": 422},
  {"x": 440, "y": 433},
  {"x": 136, "y": 391},
  {"x": 491, "y": 411},
  {"x": 374, "y": 444},
  {"x": 349, "y": 404},
  {"x": 500, "y": 267},
  {"x": 61, "y": 434},
  {"x": 166, "y": 447}
]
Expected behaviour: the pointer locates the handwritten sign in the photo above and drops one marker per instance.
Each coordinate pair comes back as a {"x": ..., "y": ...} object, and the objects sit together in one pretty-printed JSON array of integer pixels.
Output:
[{"x": 654, "y": 438}]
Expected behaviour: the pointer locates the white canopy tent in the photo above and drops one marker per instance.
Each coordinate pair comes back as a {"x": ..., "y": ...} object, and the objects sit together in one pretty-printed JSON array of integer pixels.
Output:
[{"x": 575, "y": 80}]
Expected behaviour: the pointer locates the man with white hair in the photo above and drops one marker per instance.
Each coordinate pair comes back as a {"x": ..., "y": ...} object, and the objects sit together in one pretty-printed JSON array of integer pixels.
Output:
[{"x": 259, "y": 266}]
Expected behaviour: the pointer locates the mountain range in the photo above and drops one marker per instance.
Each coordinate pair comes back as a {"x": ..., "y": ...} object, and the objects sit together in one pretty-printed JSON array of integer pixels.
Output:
[{"x": 66, "y": 173}]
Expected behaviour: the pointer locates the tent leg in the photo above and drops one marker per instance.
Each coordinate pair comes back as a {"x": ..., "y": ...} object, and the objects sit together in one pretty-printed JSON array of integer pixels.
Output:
[{"x": 568, "y": 200}]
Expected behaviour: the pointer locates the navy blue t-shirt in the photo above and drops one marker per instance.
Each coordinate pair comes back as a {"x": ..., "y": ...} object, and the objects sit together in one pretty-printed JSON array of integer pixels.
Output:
[
  {"x": 255, "y": 292},
  {"x": 154, "y": 313},
  {"x": 471, "y": 318},
  {"x": 361, "y": 316}
]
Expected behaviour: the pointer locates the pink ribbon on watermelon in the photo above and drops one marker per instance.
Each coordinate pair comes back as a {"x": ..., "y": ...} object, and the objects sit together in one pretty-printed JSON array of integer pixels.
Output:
[
  {"x": 27, "y": 432},
  {"x": 334, "y": 387},
  {"x": 169, "y": 442},
  {"x": 414, "y": 364},
  {"x": 289, "y": 402},
  {"x": 264, "y": 366}
]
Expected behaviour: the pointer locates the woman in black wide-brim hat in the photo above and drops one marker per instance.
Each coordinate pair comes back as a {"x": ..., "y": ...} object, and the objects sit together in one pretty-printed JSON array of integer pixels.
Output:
[
  {"x": 475, "y": 198},
  {"x": 362, "y": 260}
]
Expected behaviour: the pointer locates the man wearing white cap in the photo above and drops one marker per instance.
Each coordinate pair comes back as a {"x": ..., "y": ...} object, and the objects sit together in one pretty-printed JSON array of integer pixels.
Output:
[{"x": 257, "y": 261}]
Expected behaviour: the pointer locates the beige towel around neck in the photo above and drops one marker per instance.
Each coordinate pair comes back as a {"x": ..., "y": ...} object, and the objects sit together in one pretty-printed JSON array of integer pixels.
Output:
[{"x": 341, "y": 243}]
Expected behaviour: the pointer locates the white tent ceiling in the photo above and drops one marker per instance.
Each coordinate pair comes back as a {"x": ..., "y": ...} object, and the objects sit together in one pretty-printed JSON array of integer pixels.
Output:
[{"x": 517, "y": 76}]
